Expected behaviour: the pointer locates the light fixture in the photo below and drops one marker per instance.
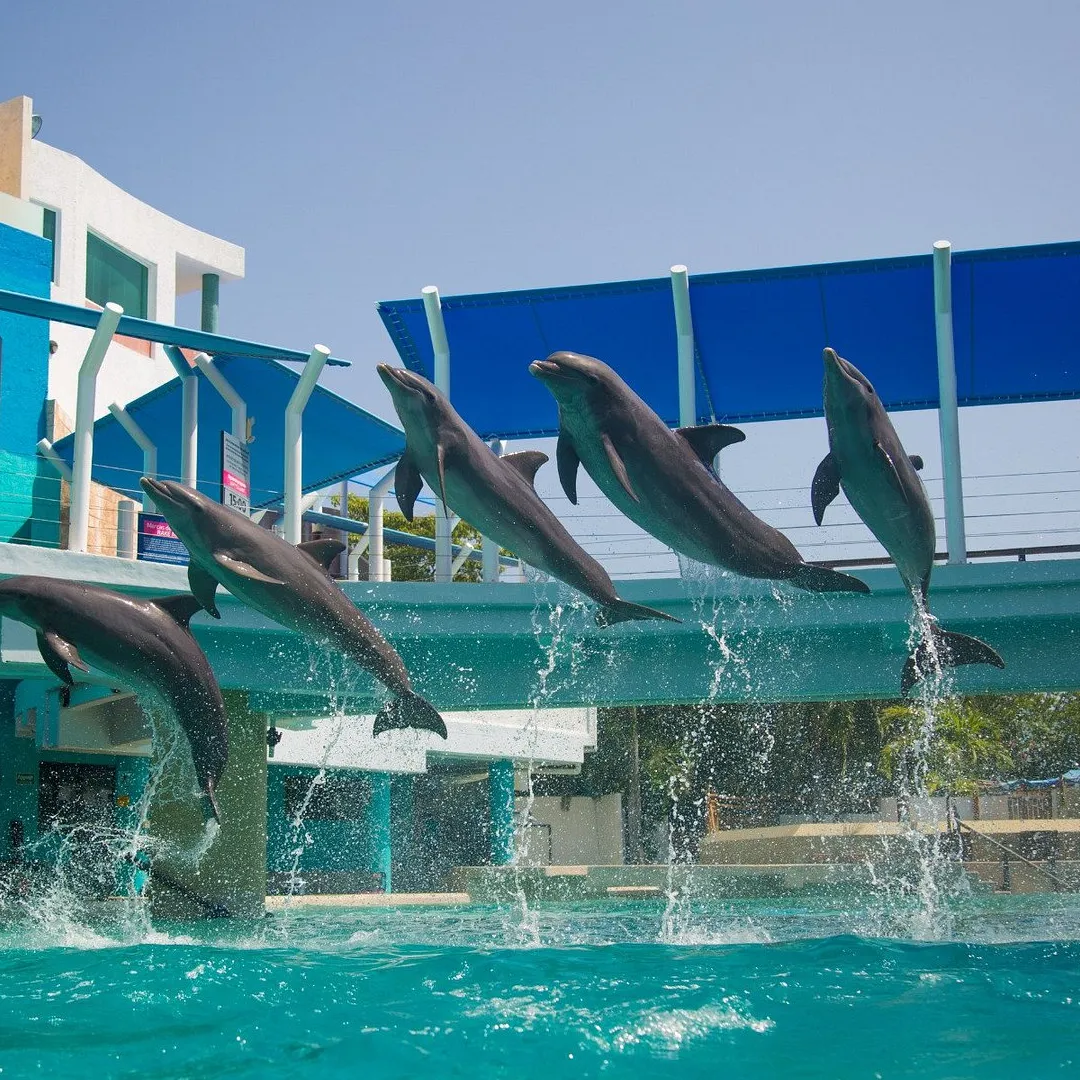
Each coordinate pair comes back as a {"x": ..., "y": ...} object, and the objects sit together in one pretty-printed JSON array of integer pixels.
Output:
[{"x": 35, "y": 125}]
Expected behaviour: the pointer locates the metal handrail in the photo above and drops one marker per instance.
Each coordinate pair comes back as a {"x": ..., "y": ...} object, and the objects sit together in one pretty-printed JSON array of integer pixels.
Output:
[{"x": 1014, "y": 854}]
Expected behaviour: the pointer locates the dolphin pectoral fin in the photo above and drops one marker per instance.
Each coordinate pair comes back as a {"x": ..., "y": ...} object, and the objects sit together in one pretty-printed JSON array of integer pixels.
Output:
[
  {"x": 708, "y": 440},
  {"x": 900, "y": 485},
  {"x": 324, "y": 551},
  {"x": 618, "y": 467},
  {"x": 950, "y": 649},
  {"x": 203, "y": 587},
  {"x": 916, "y": 462},
  {"x": 243, "y": 569},
  {"x": 407, "y": 484},
  {"x": 58, "y": 654},
  {"x": 825, "y": 487},
  {"x": 527, "y": 462},
  {"x": 180, "y": 607},
  {"x": 824, "y": 579},
  {"x": 567, "y": 460},
  {"x": 409, "y": 710}
]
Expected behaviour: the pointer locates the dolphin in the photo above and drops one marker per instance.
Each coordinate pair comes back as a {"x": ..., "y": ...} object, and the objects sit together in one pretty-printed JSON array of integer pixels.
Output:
[
  {"x": 290, "y": 585},
  {"x": 881, "y": 482},
  {"x": 494, "y": 494},
  {"x": 663, "y": 480},
  {"x": 144, "y": 645}
]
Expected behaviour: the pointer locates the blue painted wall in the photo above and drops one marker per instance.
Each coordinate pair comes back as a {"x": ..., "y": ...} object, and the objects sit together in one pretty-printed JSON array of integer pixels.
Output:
[
  {"x": 29, "y": 499},
  {"x": 357, "y": 844}
]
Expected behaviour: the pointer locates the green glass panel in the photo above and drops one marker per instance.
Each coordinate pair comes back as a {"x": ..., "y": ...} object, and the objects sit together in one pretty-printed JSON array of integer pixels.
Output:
[
  {"x": 48, "y": 230},
  {"x": 113, "y": 277}
]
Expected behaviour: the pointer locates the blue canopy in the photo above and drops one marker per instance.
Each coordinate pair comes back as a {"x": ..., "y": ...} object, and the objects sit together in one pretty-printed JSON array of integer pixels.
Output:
[
  {"x": 341, "y": 440},
  {"x": 759, "y": 336}
]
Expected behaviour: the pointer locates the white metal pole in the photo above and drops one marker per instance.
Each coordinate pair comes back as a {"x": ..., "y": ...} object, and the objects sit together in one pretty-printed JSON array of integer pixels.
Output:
[
  {"x": 85, "y": 405},
  {"x": 490, "y": 549},
  {"x": 684, "y": 330},
  {"x": 225, "y": 389},
  {"x": 441, "y": 347},
  {"x": 376, "y": 505},
  {"x": 143, "y": 441},
  {"x": 355, "y": 552},
  {"x": 189, "y": 416},
  {"x": 45, "y": 449},
  {"x": 125, "y": 529},
  {"x": 948, "y": 412},
  {"x": 294, "y": 436}
]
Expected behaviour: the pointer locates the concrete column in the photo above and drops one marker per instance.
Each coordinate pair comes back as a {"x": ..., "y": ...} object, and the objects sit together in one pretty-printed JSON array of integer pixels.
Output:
[
  {"x": 378, "y": 820},
  {"x": 402, "y": 841},
  {"x": 211, "y": 289},
  {"x": 501, "y": 794},
  {"x": 232, "y": 872}
]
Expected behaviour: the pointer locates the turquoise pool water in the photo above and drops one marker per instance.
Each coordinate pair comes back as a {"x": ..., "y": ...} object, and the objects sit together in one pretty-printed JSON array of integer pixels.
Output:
[{"x": 750, "y": 989}]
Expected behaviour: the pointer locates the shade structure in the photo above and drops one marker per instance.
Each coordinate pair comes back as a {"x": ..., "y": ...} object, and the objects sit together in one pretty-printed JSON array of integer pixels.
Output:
[
  {"x": 759, "y": 336},
  {"x": 341, "y": 440}
]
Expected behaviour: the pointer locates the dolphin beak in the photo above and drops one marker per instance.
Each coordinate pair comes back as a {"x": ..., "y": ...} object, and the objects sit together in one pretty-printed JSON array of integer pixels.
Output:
[
  {"x": 154, "y": 488},
  {"x": 542, "y": 368},
  {"x": 394, "y": 378}
]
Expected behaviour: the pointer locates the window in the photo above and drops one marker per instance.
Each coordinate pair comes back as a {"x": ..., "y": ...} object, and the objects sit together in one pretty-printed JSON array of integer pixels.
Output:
[
  {"x": 48, "y": 230},
  {"x": 113, "y": 277}
]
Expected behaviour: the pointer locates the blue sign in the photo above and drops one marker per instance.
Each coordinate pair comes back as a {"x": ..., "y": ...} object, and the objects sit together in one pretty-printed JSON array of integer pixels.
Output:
[{"x": 158, "y": 543}]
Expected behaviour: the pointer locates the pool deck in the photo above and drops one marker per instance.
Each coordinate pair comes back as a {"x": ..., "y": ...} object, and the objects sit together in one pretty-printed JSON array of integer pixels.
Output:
[{"x": 376, "y": 900}]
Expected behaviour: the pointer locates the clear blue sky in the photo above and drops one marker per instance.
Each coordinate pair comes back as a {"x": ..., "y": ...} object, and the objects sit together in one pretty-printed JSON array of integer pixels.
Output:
[{"x": 361, "y": 151}]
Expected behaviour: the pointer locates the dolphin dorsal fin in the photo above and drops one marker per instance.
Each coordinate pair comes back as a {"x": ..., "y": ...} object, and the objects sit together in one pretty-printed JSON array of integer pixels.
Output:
[
  {"x": 708, "y": 440},
  {"x": 566, "y": 458},
  {"x": 916, "y": 462},
  {"x": 180, "y": 607},
  {"x": 618, "y": 467},
  {"x": 58, "y": 654},
  {"x": 825, "y": 487},
  {"x": 527, "y": 462},
  {"x": 324, "y": 551},
  {"x": 407, "y": 484}
]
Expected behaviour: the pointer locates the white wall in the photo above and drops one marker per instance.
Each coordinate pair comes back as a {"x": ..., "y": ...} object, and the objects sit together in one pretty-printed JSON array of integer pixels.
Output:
[
  {"x": 176, "y": 254},
  {"x": 584, "y": 831}
]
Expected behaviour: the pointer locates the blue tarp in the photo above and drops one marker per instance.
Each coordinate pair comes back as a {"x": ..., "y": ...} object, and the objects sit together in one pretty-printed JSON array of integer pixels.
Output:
[
  {"x": 759, "y": 336},
  {"x": 341, "y": 440}
]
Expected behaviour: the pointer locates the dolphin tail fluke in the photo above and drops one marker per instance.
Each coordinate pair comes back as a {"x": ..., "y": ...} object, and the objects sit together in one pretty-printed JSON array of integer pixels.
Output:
[
  {"x": 409, "y": 710},
  {"x": 823, "y": 579},
  {"x": 950, "y": 650},
  {"x": 623, "y": 611}
]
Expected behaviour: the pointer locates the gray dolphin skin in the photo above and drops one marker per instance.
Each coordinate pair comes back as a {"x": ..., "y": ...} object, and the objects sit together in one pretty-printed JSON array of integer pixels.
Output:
[
  {"x": 290, "y": 585},
  {"x": 867, "y": 460},
  {"x": 663, "y": 480},
  {"x": 143, "y": 645},
  {"x": 495, "y": 495}
]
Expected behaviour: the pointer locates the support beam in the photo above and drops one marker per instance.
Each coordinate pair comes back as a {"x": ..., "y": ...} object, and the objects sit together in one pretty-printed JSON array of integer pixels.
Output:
[
  {"x": 501, "y": 796},
  {"x": 441, "y": 348},
  {"x": 684, "y": 330},
  {"x": 85, "y": 407},
  {"x": 463, "y": 557},
  {"x": 376, "y": 506},
  {"x": 294, "y": 439},
  {"x": 211, "y": 294},
  {"x": 45, "y": 449},
  {"x": 490, "y": 549},
  {"x": 378, "y": 817},
  {"x": 189, "y": 416},
  {"x": 231, "y": 874},
  {"x": 144, "y": 443},
  {"x": 222, "y": 385},
  {"x": 948, "y": 412}
]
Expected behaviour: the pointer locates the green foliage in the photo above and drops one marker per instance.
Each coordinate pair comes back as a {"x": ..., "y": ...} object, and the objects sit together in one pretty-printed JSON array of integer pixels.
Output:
[{"x": 409, "y": 563}]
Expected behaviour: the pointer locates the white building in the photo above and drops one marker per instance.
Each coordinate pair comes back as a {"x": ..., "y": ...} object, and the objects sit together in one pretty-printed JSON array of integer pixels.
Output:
[{"x": 108, "y": 246}]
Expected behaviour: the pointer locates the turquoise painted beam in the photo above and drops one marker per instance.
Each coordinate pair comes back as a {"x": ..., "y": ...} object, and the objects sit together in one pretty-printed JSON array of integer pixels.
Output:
[{"x": 471, "y": 646}]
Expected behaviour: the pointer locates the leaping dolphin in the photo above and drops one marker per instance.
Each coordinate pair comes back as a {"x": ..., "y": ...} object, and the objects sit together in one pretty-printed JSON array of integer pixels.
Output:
[
  {"x": 867, "y": 459},
  {"x": 494, "y": 494},
  {"x": 663, "y": 480},
  {"x": 144, "y": 645},
  {"x": 290, "y": 585}
]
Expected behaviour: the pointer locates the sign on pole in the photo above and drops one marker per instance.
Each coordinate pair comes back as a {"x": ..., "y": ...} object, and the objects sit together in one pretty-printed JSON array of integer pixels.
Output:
[{"x": 235, "y": 474}]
